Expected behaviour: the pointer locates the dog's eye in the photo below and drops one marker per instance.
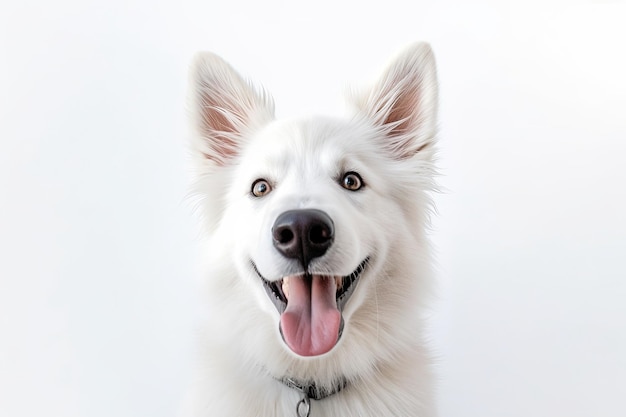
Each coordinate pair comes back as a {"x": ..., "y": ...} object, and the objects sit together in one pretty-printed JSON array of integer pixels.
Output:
[
  {"x": 352, "y": 181},
  {"x": 260, "y": 188}
]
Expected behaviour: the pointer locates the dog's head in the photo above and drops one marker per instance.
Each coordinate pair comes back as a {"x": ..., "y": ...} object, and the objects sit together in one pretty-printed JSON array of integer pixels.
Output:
[{"x": 321, "y": 219}]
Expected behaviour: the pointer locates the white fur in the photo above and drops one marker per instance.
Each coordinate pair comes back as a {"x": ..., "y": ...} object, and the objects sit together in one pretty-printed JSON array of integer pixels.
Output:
[{"x": 389, "y": 141}]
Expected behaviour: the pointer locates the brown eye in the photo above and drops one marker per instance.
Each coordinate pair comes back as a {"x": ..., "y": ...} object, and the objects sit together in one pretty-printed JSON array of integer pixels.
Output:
[
  {"x": 352, "y": 181},
  {"x": 260, "y": 188}
]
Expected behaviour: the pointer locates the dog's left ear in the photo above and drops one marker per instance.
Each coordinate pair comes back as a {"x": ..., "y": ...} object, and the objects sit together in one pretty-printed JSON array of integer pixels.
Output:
[
  {"x": 225, "y": 108},
  {"x": 403, "y": 104}
]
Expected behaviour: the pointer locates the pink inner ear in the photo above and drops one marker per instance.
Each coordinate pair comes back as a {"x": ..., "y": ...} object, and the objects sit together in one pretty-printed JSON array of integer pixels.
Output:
[
  {"x": 218, "y": 126},
  {"x": 402, "y": 109},
  {"x": 404, "y": 112}
]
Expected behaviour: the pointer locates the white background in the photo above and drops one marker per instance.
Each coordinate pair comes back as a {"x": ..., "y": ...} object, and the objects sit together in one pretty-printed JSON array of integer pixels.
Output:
[{"x": 99, "y": 250}]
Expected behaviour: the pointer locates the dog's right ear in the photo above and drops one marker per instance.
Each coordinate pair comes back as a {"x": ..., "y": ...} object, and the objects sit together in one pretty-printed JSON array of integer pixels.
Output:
[{"x": 225, "y": 108}]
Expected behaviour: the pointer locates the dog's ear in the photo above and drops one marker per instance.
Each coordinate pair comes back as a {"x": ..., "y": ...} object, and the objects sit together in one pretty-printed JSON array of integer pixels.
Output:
[
  {"x": 225, "y": 108},
  {"x": 403, "y": 104}
]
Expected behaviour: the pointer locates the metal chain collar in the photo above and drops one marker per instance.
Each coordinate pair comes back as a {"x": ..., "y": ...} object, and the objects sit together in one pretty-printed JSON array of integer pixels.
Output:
[{"x": 310, "y": 391}]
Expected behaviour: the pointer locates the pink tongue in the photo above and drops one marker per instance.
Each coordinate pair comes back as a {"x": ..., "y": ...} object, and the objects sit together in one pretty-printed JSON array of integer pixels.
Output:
[{"x": 310, "y": 323}]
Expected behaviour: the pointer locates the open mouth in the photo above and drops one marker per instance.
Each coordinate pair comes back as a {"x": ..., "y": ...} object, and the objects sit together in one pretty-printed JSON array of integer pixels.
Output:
[
  {"x": 310, "y": 306},
  {"x": 278, "y": 291}
]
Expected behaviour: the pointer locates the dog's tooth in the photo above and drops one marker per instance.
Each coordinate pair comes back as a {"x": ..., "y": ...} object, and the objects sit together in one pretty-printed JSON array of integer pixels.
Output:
[
  {"x": 286, "y": 286},
  {"x": 339, "y": 282}
]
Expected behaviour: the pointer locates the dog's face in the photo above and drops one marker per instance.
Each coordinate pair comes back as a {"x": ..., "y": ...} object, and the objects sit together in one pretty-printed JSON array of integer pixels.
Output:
[
  {"x": 306, "y": 197},
  {"x": 317, "y": 214}
]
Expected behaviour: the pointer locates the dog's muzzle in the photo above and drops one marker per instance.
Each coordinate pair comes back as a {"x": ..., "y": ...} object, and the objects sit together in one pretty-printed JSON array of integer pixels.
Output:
[{"x": 310, "y": 304}]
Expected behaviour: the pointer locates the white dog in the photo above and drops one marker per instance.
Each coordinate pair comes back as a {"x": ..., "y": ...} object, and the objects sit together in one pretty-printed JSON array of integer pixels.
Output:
[{"x": 319, "y": 267}]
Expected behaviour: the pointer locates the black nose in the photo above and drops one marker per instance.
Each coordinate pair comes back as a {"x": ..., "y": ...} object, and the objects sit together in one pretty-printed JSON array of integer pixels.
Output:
[{"x": 303, "y": 234}]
